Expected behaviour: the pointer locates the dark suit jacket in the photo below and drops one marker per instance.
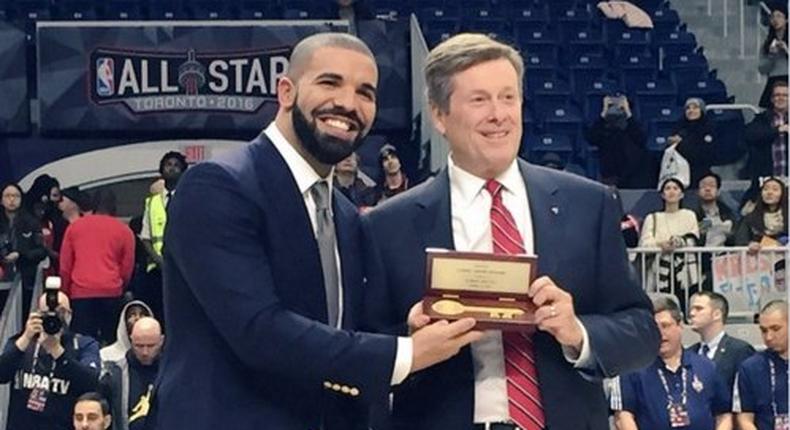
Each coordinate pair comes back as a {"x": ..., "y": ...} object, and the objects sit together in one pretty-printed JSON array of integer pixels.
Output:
[
  {"x": 247, "y": 346},
  {"x": 729, "y": 356},
  {"x": 578, "y": 243}
]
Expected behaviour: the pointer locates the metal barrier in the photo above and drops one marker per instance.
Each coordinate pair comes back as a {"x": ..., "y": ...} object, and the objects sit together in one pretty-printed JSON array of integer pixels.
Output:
[{"x": 745, "y": 278}]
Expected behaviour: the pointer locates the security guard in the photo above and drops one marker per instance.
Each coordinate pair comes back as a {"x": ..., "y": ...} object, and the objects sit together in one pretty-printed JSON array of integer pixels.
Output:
[
  {"x": 171, "y": 167},
  {"x": 680, "y": 390},
  {"x": 760, "y": 398}
]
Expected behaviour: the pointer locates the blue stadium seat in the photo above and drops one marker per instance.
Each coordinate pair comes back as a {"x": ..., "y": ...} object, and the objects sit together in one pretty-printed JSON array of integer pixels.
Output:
[
  {"x": 728, "y": 128},
  {"x": 539, "y": 69},
  {"x": 676, "y": 43},
  {"x": 657, "y": 135},
  {"x": 212, "y": 9},
  {"x": 563, "y": 120},
  {"x": 547, "y": 143},
  {"x": 530, "y": 14},
  {"x": 497, "y": 29},
  {"x": 550, "y": 50},
  {"x": 122, "y": 10},
  {"x": 259, "y": 9},
  {"x": 551, "y": 92},
  {"x": 665, "y": 21},
  {"x": 77, "y": 10},
  {"x": 529, "y": 35},
  {"x": 586, "y": 41},
  {"x": 586, "y": 69},
  {"x": 710, "y": 90},
  {"x": 661, "y": 113},
  {"x": 166, "y": 10},
  {"x": 306, "y": 9},
  {"x": 439, "y": 13},
  {"x": 660, "y": 92}
]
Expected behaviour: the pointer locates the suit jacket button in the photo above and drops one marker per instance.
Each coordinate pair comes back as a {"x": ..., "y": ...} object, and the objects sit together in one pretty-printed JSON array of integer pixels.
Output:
[
  {"x": 327, "y": 384},
  {"x": 336, "y": 387},
  {"x": 345, "y": 389},
  {"x": 354, "y": 392}
]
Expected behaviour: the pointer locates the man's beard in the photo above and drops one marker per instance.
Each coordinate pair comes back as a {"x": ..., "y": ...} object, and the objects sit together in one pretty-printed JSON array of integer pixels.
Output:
[{"x": 324, "y": 147}]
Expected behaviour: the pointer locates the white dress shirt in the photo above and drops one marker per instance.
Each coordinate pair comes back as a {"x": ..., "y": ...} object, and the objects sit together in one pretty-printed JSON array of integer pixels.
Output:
[
  {"x": 470, "y": 206},
  {"x": 713, "y": 345},
  {"x": 305, "y": 177}
]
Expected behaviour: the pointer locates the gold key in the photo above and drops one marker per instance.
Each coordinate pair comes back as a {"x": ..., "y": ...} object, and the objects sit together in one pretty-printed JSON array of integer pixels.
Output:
[{"x": 452, "y": 307}]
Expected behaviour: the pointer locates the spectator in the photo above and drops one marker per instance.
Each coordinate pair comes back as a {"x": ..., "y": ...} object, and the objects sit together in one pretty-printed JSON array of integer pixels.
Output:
[
  {"x": 352, "y": 185},
  {"x": 96, "y": 264},
  {"x": 74, "y": 204},
  {"x": 716, "y": 219},
  {"x": 128, "y": 382},
  {"x": 708, "y": 316},
  {"x": 671, "y": 229},
  {"x": 766, "y": 137},
  {"x": 49, "y": 371},
  {"x": 130, "y": 314},
  {"x": 42, "y": 200},
  {"x": 92, "y": 412},
  {"x": 171, "y": 167},
  {"x": 760, "y": 398},
  {"x": 773, "y": 53},
  {"x": 21, "y": 242},
  {"x": 680, "y": 389},
  {"x": 624, "y": 160},
  {"x": 395, "y": 181},
  {"x": 766, "y": 225},
  {"x": 693, "y": 138}
]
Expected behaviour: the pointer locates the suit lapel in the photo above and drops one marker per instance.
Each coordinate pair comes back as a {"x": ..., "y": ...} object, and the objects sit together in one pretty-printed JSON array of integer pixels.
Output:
[
  {"x": 722, "y": 349},
  {"x": 434, "y": 222},
  {"x": 347, "y": 246},
  {"x": 546, "y": 215}
]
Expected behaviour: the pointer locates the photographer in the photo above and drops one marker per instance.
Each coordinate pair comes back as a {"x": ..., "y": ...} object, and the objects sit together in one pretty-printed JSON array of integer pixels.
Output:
[
  {"x": 625, "y": 162},
  {"x": 49, "y": 367}
]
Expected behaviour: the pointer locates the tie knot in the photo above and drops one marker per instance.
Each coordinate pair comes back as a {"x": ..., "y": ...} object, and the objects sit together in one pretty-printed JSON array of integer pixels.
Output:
[
  {"x": 320, "y": 192},
  {"x": 493, "y": 187}
]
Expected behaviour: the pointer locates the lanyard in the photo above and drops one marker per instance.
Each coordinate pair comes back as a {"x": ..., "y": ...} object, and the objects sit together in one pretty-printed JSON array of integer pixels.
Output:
[
  {"x": 670, "y": 399},
  {"x": 772, "y": 366},
  {"x": 35, "y": 362}
]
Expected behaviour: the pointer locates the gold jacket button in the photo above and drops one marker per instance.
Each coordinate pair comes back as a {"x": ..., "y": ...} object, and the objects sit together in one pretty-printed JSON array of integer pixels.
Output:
[
  {"x": 354, "y": 392},
  {"x": 336, "y": 387}
]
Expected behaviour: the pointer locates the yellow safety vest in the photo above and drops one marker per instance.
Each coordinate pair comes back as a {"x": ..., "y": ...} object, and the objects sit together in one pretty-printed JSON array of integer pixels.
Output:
[{"x": 157, "y": 218}]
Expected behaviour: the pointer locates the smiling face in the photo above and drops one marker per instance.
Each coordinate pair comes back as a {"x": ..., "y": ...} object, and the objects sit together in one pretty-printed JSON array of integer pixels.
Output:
[
  {"x": 693, "y": 111},
  {"x": 483, "y": 119},
  {"x": 332, "y": 102}
]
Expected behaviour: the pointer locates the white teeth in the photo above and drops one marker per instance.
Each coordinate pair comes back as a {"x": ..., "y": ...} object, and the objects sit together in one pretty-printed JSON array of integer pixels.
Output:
[
  {"x": 497, "y": 135},
  {"x": 338, "y": 124}
]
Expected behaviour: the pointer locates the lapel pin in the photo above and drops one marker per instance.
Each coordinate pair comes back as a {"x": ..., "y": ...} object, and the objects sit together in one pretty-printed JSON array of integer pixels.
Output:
[{"x": 555, "y": 210}]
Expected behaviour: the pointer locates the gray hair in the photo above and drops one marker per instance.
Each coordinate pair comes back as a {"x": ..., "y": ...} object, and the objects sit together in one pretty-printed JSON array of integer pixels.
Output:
[
  {"x": 661, "y": 304},
  {"x": 304, "y": 50},
  {"x": 459, "y": 53}
]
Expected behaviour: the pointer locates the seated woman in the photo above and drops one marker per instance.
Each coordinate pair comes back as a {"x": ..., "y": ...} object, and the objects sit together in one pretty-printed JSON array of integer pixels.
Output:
[
  {"x": 766, "y": 225},
  {"x": 670, "y": 229}
]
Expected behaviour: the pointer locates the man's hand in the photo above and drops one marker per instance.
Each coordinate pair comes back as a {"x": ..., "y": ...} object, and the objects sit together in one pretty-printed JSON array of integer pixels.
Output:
[
  {"x": 11, "y": 257},
  {"x": 33, "y": 326},
  {"x": 434, "y": 343},
  {"x": 754, "y": 247},
  {"x": 555, "y": 314}
]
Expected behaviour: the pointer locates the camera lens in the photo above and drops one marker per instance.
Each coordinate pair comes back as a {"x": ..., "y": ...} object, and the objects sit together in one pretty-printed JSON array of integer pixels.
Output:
[{"x": 51, "y": 323}]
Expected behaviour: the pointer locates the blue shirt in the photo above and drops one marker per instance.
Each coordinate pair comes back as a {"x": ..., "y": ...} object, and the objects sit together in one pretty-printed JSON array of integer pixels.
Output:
[
  {"x": 642, "y": 393},
  {"x": 754, "y": 388}
]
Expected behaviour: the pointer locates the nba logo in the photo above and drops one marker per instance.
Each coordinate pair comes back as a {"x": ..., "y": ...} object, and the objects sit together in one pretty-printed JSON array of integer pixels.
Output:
[{"x": 105, "y": 83}]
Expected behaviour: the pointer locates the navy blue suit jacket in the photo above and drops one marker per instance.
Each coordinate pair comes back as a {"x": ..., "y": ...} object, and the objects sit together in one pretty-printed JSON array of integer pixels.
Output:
[
  {"x": 728, "y": 358},
  {"x": 578, "y": 242},
  {"x": 247, "y": 346}
]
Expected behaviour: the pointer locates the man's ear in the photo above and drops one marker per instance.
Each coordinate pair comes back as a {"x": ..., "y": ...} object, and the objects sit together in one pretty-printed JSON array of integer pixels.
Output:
[
  {"x": 286, "y": 92},
  {"x": 439, "y": 119},
  {"x": 107, "y": 421}
]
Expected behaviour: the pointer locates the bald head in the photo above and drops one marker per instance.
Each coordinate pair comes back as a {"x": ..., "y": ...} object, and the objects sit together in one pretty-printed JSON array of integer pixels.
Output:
[
  {"x": 773, "y": 326},
  {"x": 304, "y": 50},
  {"x": 63, "y": 302},
  {"x": 147, "y": 340}
]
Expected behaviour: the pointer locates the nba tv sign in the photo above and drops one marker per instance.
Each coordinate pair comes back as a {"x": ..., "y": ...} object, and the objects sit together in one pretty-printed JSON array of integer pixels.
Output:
[{"x": 148, "y": 82}]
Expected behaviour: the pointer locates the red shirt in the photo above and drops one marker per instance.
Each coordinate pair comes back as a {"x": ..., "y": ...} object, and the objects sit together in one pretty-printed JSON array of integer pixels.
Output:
[{"x": 96, "y": 258}]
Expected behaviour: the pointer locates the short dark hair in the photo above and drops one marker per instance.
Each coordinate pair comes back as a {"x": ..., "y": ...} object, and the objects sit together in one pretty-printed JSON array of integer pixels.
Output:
[
  {"x": 718, "y": 301},
  {"x": 775, "y": 305},
  {"x": 105, "y": 202},
  {"x": 674, "y": 180},
  {"x": 710, "y": 174},
  {"x": 93, "y": 396},
  {"x": 177, "y": 156},
  {"x": 777, "y": 84},
  {"x": 661, "y": 304},
  {"x": 386, "y": 150}
]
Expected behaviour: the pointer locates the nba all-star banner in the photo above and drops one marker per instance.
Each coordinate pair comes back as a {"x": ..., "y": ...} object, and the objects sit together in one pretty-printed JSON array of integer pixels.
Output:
[{"x": 164, "y": 76}]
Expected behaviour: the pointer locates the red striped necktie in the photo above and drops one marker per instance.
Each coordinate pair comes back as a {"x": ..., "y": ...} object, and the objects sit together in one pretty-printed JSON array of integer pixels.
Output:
[{"x": 524, "y": 400}]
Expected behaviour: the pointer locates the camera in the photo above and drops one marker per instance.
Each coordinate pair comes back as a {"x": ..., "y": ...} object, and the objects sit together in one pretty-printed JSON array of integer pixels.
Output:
[
  {"x": 49, "y": 316},
  {"x": 615, "y": 108}
]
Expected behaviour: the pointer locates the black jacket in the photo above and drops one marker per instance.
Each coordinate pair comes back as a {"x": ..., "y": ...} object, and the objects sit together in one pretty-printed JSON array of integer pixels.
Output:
[
  {"x": 759, "y": 136},
  {"x": 697, "y": 145}
]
